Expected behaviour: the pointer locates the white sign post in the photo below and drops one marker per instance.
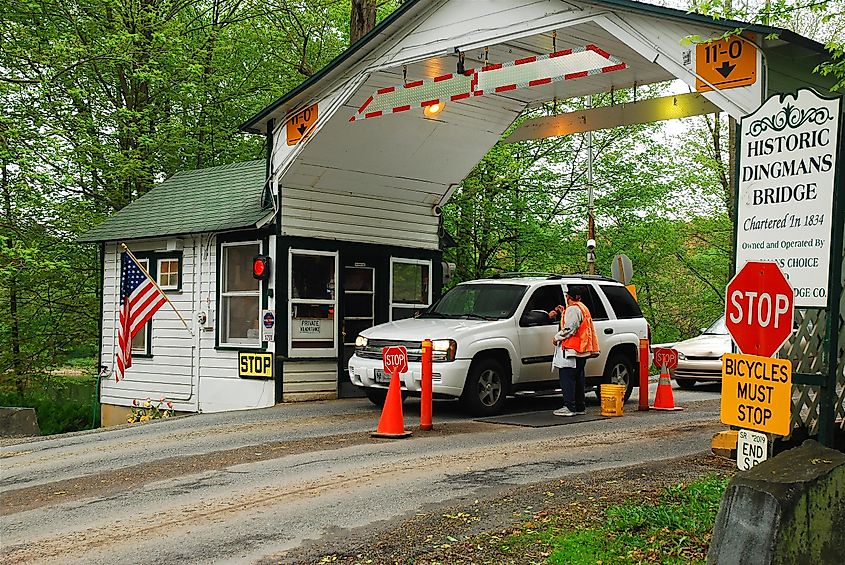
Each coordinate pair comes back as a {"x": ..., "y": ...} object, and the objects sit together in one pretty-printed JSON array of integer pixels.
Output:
[
  {"x": 751, "y": 448},
  {"x": 787, "y": 171}
]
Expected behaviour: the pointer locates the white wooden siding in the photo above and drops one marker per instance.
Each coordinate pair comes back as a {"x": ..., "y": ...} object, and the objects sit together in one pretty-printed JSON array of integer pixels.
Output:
[
  {"x": 170, "y": 371},
  {"x": 221, "y": 388},
  {"x": 184, "y": 368}
]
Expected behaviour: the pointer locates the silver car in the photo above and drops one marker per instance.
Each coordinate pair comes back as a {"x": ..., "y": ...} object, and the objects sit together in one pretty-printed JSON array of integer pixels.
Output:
[{"x": 700, "y": 357}]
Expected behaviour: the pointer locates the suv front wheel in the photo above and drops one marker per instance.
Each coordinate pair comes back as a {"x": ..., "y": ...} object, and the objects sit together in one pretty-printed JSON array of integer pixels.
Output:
[
  {"x": 619, "y": 370},
  {"x": 485, "y": 389}
]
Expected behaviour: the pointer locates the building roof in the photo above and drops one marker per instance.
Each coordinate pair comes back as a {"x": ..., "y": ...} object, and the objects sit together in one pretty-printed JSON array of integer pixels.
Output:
[
  {"x": 253, "y": 125},
  {"x": 222, "y": 198}
]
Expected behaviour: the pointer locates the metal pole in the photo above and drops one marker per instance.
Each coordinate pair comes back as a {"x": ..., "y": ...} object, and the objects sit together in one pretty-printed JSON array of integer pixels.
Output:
[
  {"x": 827, "y": 410},
  {"x": 426, "y": 384},
  {"x": 591, "y": 227},
  {"x": 643, "y": 392}
]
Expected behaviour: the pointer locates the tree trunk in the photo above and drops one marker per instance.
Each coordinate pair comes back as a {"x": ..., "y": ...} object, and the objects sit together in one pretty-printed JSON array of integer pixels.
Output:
[
  {"x": 362, "y": 19},
  {"x": 14, "y": 330}
]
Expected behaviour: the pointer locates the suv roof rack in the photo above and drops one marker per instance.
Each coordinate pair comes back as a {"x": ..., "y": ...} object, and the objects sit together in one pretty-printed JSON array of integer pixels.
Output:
[
  {"x": 550, "y": 276},
  {"x": 517, "y": 274}
]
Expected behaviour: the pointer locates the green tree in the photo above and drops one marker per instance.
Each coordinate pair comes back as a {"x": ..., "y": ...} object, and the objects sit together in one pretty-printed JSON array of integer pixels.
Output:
[{"x": 99, "y": 100}]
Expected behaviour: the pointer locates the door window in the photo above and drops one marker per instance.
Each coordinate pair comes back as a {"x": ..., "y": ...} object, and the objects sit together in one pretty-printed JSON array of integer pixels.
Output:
[
  {"x": 358, "y": 301},
  {"x": 410, "y": 287},
  {"x": 313, "y": 325},
  {"x": 545, "y": 298}
]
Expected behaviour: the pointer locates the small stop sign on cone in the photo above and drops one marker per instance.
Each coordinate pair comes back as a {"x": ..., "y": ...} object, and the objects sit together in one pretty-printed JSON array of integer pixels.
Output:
[
  {"x": 759, "y": 308},
  {"x": 395, "y": 358}
]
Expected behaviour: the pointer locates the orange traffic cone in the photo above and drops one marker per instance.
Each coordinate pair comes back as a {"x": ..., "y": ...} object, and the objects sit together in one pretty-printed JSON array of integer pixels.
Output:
[
  {"x": 663, "y": 398},
  {"x": 392, "y": 422}
]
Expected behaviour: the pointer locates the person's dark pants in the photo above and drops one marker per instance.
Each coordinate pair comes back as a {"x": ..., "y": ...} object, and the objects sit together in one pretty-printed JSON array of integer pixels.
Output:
[{"x": 572, "y": 385}]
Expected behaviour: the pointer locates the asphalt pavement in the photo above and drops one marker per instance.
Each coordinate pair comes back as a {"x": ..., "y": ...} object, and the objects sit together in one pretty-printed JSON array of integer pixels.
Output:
[{"x": 239, "y": 486}]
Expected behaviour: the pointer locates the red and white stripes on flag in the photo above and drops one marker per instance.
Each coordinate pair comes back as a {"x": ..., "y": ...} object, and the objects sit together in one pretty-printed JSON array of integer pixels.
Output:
[{"x": 140, "y": 298}]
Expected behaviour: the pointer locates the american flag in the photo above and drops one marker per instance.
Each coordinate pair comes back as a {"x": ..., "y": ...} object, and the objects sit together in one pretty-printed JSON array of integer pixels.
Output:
[{"x": 140, "y": 298}]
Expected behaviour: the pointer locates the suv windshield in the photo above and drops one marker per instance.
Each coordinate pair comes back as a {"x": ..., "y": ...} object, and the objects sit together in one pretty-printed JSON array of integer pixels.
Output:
[
  {"x": 718, "y": 328},
  {"x": 486, "y": 301}
]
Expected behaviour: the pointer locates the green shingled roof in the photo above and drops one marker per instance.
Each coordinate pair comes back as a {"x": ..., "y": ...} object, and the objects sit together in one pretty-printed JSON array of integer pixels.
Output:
[{"x": 220, "y": 198}]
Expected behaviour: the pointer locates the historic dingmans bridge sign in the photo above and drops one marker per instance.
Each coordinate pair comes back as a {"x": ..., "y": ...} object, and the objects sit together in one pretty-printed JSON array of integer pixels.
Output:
[{"x": 787, "y": 171}]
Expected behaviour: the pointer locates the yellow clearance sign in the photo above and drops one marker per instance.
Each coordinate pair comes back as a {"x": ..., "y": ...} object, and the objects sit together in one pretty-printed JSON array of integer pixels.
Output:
[
  {"x": 726, "y": 63},
  {"x": 253, "y": 365},
  {"x": 757, "y": 393},
  {"x": 301, "y": 125}
]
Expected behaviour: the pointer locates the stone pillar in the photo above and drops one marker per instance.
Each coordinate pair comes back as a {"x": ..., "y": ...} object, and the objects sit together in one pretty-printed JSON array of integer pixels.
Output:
[{"x": 789, "y": 509}]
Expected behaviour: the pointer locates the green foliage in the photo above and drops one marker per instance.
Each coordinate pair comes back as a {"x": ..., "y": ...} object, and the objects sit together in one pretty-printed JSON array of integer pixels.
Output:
[
  {"x": 662, "y": 201},
  {"x": 674, "y": 529},
  {"x": 101, "y": 99},
  {"x": 62, "y": 404},
  {"x": 822, "y": 20}
]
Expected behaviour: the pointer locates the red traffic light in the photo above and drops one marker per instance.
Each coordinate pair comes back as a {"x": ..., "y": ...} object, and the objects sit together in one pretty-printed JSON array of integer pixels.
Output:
[{"x": 261, "y": 267}]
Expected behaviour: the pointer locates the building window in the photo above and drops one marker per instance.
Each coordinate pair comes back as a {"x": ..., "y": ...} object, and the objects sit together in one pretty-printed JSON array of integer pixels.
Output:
[
  {"x": 168, "y": 274},
  {"x": 240, "y": 295},
  {"x": 410, "y": 287},
  {"x": 141, "y": 341},
  {"x": 313, "y": 303}
]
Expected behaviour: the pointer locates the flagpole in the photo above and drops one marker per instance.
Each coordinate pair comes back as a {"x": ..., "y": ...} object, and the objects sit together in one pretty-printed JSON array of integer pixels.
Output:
[{"x": 143, "y": 270}]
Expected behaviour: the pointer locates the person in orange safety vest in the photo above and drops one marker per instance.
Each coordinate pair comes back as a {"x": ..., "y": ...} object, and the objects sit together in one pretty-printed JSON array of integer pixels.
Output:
[{"x": 577, "y": 337}]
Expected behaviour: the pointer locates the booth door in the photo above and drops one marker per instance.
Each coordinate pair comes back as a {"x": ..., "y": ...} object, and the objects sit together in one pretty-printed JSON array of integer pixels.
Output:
[{"x": 358, "y": 309}]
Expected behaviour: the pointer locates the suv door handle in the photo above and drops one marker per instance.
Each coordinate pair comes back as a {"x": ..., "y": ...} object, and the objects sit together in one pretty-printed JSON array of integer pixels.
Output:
[{"x": 608, "y": 330}]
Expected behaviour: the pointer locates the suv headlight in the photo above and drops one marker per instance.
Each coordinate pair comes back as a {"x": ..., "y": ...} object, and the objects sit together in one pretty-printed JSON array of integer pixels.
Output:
[
  {"x": 444, "y": 349},
  {"x": 360, "y": 342},
  {"x": 681, "y": 356}
]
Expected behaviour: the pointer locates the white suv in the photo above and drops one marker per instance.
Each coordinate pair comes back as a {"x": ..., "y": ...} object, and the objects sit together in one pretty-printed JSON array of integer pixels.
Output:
[{"x": 493, "y": 337}]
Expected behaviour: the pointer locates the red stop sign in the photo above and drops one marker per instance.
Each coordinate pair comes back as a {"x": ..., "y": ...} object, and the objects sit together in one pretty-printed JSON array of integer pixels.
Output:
[
  {"x": 759, "y": 308},
  {"x": 395, "y": 358},
  {"x": 666, "y": 357}
]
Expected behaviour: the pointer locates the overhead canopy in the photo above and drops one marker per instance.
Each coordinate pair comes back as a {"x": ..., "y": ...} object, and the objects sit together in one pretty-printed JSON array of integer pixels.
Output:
[
  {"x": 221, "y": 198},
  {"x": 404, "y": 162}
]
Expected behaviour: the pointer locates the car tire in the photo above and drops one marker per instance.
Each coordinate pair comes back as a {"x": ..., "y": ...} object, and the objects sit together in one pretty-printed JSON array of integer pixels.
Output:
[
  {"x": 618, "y": 370},
  {"x": 378, "y": 395},
  {"x": 485, "y": 389},
  {"x": 686, "y": 384}
]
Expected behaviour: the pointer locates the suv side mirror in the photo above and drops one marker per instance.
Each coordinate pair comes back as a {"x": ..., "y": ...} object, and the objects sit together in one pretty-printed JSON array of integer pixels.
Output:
[{"x": 535, "y": 318}]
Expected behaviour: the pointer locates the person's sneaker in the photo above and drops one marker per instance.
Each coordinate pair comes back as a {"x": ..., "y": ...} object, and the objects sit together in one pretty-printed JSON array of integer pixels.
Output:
[
  {"x": 580, "y": 412},
  {"x": 563, "y": 412}
]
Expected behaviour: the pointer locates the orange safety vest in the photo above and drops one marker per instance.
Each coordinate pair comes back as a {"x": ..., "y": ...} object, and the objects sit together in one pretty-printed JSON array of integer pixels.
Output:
[{"x": 584, "y": 340}]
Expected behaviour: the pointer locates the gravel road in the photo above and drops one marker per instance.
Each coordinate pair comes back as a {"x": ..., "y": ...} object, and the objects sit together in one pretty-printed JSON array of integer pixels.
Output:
[{"x": 266, "y": 484}]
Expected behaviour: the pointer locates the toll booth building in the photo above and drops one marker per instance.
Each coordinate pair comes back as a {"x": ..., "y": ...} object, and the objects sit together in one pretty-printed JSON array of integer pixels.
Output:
[
  {"x": 360, "y": 159},
  {"x": 197, "y": 234}
]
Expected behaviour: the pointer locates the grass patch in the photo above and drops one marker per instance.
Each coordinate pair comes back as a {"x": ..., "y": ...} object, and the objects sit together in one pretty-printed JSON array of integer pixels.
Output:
[
  {"x": 62, "y": 403},
  {"x": 674, "y": 529}
]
